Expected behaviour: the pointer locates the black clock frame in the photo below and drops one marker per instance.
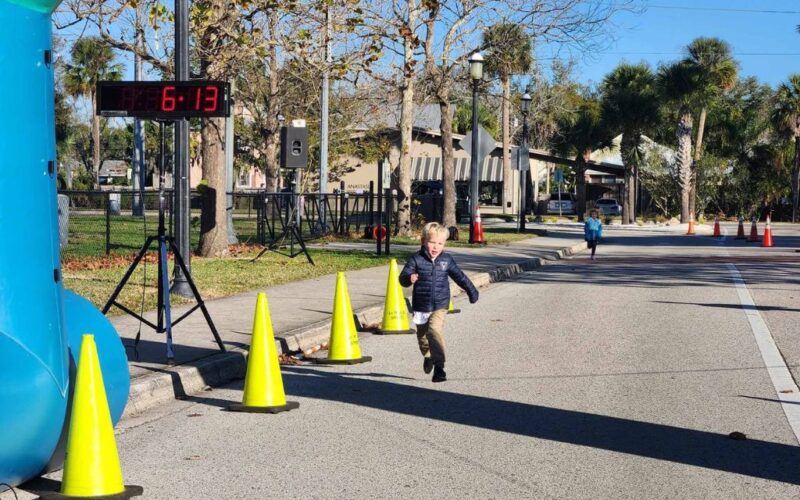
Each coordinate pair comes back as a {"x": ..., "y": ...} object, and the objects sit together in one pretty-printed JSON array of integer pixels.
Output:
[{"x": 109, "y": 99}]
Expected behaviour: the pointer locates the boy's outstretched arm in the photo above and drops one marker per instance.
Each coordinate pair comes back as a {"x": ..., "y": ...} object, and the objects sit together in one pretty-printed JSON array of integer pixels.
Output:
[
  {"x": 462, "y": 281},
  {"x": 409, "y": 269}
]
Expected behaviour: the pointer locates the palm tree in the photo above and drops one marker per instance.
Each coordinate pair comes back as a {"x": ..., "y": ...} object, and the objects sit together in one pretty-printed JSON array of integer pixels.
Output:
[
  {"x": 717, "y": 72},
  {"x": 92, "y": 61},
  {"x": 630, "y": 105},
  {"x": 786, "y": 117},
  {"x": 579, "y": 133},
  {"x": 678, "y": 85},
  {"x": 509, "y": 53}
]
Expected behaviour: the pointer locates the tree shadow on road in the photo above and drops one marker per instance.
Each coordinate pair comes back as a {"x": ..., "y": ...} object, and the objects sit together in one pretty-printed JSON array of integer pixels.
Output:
[
  {"x": 731, "y": 306},
  {"x": 761, "y": 459},
  {"x": 670, "y": 269}
]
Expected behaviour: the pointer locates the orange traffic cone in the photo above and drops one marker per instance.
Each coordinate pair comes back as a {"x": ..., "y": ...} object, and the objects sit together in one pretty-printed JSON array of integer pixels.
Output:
[
  {"x": 690, "y": 230},
  {"x": 740, "y": 234},
  {"x": 717, "y": 233},
  {"x": 767, "y": 241},
  {"x": 477, "y": 227},
  {"x": 753, "y": 231}
]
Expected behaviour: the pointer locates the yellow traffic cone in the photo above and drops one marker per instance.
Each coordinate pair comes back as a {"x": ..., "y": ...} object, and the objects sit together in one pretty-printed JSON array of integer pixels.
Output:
[
  {"x": 395, "y": 314},
  {"x": 343, "y": 346},
  {"x": 263, "y": 384},
  {"x": 451, "y": 309},
  {"x": 91, "y": 465}
]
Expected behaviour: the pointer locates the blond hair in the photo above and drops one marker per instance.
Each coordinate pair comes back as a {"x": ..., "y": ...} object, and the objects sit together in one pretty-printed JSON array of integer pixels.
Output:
[{"x": 434, "y": 228}]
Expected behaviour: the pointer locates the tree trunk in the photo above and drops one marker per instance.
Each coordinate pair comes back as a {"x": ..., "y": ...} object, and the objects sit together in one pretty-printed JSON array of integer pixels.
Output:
[
  {"x": 410, "y": 43},
  {"x": 213, "y": 223},
  {"x": 271, "y": 168},
  {"x": 796, "y": 179},
  {"x": 580, "y": 183},
  {"x": 95, "y": 142},
  {"x": 448, "y": 171},
  {"x": 684, "y": 157},
  {"x": 698, "y": 152},
  {"x": 508, "y": 187},
  {"x": 406, "y": 139},
  {"x": 631, "y": 187},
  {"x": 628, "y": 146}
]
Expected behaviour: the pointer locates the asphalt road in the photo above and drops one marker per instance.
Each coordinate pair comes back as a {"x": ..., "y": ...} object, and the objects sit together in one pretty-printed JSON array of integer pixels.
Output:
[{"x": 615, "y": 378}]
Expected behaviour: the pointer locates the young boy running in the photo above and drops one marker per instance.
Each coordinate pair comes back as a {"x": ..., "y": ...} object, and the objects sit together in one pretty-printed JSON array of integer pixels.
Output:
[{"x": 428, "y": 270}]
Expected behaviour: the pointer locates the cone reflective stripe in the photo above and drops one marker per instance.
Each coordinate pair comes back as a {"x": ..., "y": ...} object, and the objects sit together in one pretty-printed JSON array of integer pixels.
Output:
[
  {"x": 451, "y": 309},
  {"x": 263, "y": 384},
  {"x": 91, "y": 465},
  {"x": 740, "y": 233},
  {"x": 717, "y": 232},
  {"x": 690, "y": 230},
  {"x": 753, "y": 231},
  {"x": 477, "y": 227},
  {"x": 395, "y": 314},
  {"x": 767, "y": 241},
  {"x": 343, "y": 346}
]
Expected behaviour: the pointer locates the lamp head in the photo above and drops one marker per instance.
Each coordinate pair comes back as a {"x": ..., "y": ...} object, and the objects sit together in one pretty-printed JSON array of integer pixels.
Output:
[
  {"x": 476, "y": 66},
  {"x": 526, "y": 102}
]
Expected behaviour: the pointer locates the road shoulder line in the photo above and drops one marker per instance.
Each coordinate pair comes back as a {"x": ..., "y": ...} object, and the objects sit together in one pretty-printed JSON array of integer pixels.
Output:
[{"x": 773, "y": 360}]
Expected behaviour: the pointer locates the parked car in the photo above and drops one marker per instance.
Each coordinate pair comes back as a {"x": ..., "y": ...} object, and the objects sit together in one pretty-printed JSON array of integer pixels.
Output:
[
  {"x": 608, "y": 206},
  {"x": 561, "y": 203}
]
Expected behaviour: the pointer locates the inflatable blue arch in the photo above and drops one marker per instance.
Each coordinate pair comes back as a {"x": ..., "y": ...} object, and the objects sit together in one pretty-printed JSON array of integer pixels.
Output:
[{"x": 40, "y": 322}]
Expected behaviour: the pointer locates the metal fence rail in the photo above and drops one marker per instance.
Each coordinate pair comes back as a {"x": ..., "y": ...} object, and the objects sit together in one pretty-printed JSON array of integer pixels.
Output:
[{"x": 102, "y": 222}]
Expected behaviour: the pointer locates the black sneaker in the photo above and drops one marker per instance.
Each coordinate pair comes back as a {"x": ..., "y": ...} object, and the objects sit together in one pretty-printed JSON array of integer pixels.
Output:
[
  {"x": 427, "y": 365},
  {"x": 439, "y": 375}
]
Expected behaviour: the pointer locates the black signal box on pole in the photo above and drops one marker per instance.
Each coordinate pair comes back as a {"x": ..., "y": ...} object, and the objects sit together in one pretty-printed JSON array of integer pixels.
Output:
[{"x": 294, "y": 147}]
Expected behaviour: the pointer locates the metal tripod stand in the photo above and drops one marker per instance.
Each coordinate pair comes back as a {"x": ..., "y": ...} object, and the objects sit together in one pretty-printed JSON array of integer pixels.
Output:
[
  {"x": 291, "y": 230},
  {"x": 164, "y": 321}
]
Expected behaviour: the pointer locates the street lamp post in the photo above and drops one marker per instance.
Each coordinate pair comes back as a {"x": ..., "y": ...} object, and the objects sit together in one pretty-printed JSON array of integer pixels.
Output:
[
  {"x": 524, "y": 156},
  {"x": 476, "y": 74}
]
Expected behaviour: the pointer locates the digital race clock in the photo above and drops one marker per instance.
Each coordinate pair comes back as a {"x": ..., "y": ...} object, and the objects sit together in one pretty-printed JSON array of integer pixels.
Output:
[{"x": 163, "y": 99}]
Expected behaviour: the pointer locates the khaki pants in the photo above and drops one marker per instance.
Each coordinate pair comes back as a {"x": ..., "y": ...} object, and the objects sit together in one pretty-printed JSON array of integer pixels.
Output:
[{"x": 431, "y": 337}]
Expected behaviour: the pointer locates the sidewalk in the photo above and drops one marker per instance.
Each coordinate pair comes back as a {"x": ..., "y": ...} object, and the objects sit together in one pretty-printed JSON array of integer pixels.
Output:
[{"x": 300, "y": 313}]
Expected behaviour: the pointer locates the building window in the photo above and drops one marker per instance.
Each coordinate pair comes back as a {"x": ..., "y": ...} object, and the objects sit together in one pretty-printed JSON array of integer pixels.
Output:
[{"x": 491, "y": 193}]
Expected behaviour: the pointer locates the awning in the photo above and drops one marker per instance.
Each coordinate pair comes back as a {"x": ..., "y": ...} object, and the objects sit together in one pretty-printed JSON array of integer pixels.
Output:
[{"x": 426, "y": 168}]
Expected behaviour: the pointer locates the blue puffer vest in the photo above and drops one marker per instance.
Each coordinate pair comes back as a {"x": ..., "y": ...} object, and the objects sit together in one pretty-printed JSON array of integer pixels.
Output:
[{"x": 432, "y": 289}]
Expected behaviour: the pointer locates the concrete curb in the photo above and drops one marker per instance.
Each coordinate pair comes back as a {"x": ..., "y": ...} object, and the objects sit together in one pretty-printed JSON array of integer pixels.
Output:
[{"x": 185, "y": 380}]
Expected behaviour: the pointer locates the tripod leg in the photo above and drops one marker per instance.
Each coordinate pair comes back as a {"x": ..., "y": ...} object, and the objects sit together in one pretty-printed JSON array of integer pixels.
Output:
[
  {"x": 302, "y": 244},
  {"x": 196, "y": 293},
  {"x": 262, "y": 252},
  {"x": 163, "y": 290},
  {"x": 128, "y": 274}
]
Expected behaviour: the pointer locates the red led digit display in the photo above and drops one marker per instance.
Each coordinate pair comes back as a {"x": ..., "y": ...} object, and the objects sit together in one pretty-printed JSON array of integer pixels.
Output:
[{"x": 163, "y": 99}]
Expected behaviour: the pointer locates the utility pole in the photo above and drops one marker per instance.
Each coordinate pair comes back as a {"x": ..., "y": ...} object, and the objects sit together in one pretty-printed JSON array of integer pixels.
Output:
[
  {"x": 229, "y": 145},
  {"x": 476, "y": 74},
  {"x": 323, "y": 129},
  {"x": 180, "y": 172},
  {"x": 138, "y": 177},
  {"x": 524, "y": 155}
]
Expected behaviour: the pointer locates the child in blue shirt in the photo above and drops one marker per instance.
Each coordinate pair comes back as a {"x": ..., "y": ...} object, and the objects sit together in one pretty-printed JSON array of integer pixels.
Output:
[{"x": 593, "y": 231}]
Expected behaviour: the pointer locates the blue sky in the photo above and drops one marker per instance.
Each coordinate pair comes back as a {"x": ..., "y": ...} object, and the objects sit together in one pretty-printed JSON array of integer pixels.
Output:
[{"x": 667, "y": 26}]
